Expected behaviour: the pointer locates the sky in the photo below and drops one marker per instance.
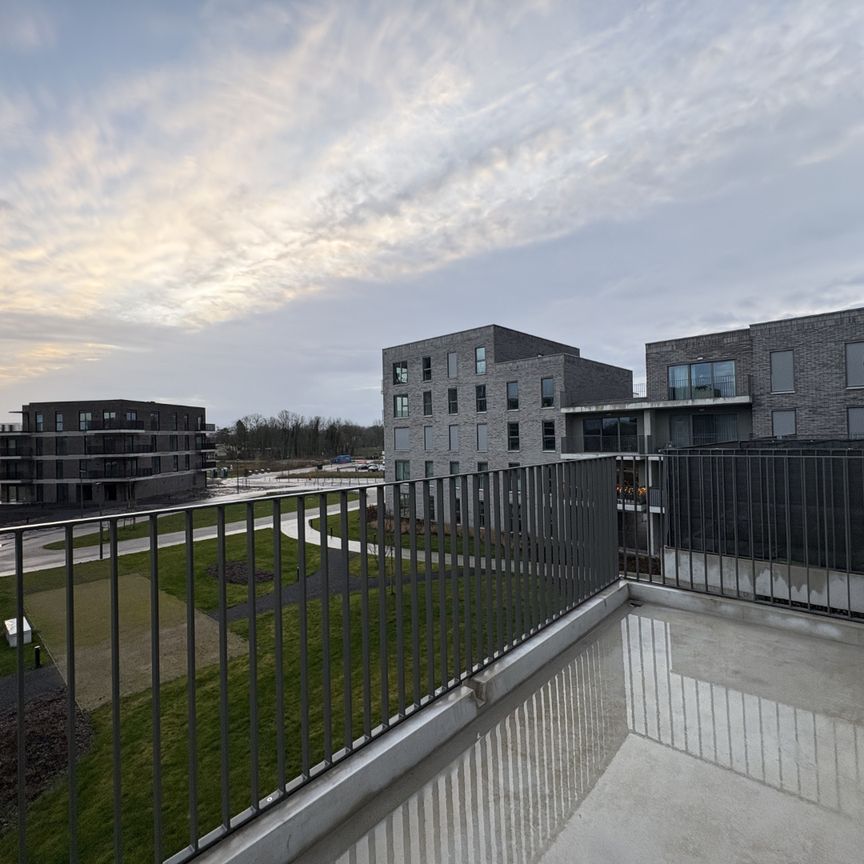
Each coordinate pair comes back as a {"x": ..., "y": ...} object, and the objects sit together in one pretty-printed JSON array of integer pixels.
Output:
[{"x": 238, "y": 204}]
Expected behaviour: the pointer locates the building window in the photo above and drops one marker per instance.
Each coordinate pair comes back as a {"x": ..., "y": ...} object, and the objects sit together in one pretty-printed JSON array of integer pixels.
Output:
[
  {"x": 58, "y": 469},
  {"x": 172, "y": 442},
  {"x": 855, "y": 364},
  {"x": 512, "y": 436},
  {"x": 610, "y": 435},
  {"x": 186, "y": 462},
  {"x": 430, "y": 507},
  {"x": 400, "y": 372},
  {"x": 428, "y": 434},
  {"x": 512, "y": 395},
  {"x": 186, "y": 422},
  {"x": 714, "y": 428},
  {"x": 40, "y": 421},
  {"x": 427, "y": 403},
  {"x": 58, "y": 421},
  {"x": 428, "y": 468},
  {"x": 480, "y": 361},
  {"x": 702, "y": 380},
  {"x": 108, "y": 419},
  {"x": 453, "y": 432},
  {"x": 482, "y": 437},
  {"x": 173, "y": 418},
  {"x": 157, "y": 464},
  {"x": 480, "y": 398},
  {"x": 132, "y": 415},
  {"x": 400, "y": 405},
  {"x": 427, "y": 368},
  {"x": 856, "y": 422},
  {"x": 185, "y": 442},
  {"x": 401, "y": 438},
  {"x": 62, "y": 493},
  {"x": 154, "y": 421},
  {"x": 454, "y": 467},
  {"x": 403, "y": 470},
  {"x": 452, "y": 400},
  {"x": 452, "y": 364},
  {"x": 548, "y": 434},
  {"x": 782, "y": 423},
  {"x": 547, "y": 392},
  {"x": 482, "y": 466},
  {"x": 85, "y": 420},
  {"x": 39, "y": 447},
  {"x": 782, "y": 372},
  {"x": 175, "y": 462},
  {"x": 458, "y": 512},
  {"x": 61, "y": 446}
]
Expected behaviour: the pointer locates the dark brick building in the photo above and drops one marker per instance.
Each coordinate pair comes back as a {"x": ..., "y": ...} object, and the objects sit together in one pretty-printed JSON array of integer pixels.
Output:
[{"x": 99, "y": 452}]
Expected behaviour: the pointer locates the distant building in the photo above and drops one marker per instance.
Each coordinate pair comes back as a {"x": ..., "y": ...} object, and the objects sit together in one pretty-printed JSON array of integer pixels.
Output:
[
  {"x": 484, "y": 399},
  {"x": 795, "y": 379},
  {"x": 103, "y": 452}
]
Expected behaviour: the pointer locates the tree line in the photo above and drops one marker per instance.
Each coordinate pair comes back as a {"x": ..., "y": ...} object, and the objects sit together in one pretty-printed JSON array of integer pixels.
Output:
[{"x": 293, "y": 436}]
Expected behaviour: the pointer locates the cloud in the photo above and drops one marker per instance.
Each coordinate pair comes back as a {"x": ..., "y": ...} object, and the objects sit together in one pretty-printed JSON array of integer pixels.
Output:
[
  {"x": 292, "y": 151},
  {"x": 26, "y": 27}
]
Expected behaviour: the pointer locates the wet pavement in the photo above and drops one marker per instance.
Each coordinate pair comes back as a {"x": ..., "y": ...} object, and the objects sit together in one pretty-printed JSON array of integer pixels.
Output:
[{"x": 663, "y": 736}]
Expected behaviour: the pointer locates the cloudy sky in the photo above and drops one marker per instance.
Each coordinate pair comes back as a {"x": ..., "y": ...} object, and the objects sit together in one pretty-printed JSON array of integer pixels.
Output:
[{"x": 238, "y": 204}]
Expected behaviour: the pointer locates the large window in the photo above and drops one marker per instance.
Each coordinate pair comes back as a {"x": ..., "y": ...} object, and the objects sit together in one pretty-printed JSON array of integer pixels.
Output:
[
  {"x": 480, "y": 398},
  {"x": 512, "y": 436},
  {"x": 782, "y": 423},
  {"x": 548, "y": 434},
  {"x": 400, "y": 372},
  {"x": 512, "y": 395},
  {"x": 403, "y": 470},
  {"x": 427, "y": 368},
  {"x": 428, "y": 437},
  {"x": 401, "y": 438},
  {"x": 480, "y": 361},
  {"x": 40, "y": 421},
  {"x": 610, "y": 434},
  {"x": 856, "y": 422},
  {"x": 400, "y": 405},
  {"x": 782, "y": 372},
  {"x": 429, "y": 468},
  {"x": 453, "y": 437},
  {"x": 547, "y": 392},
  {"x": 85, "y": 420},
  {"x": 452, "y": 364},
  {"x": 702, "y": 380},
  {"x": 855, "y": 364},
  {"x": 58, "y": 421},
  {"x": 482, "y": 437},
  {"x": 427, "y": 403},
  {"x": 452, "y": 401}
]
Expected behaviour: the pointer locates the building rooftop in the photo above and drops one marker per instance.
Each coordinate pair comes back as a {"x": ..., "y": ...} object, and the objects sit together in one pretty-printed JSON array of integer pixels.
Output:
[{"x": 664, "y": 735}]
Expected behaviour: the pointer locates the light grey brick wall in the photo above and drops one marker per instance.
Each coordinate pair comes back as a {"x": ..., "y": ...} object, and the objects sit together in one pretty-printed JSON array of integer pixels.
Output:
[
  {"x": 730, "y": 345},
  {"x": 821, "y": 398}
]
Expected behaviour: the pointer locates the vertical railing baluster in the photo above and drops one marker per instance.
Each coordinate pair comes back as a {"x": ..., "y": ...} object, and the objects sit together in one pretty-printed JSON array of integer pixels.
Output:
[
  {"x": 399, "y": 600},
  {"x": 441, "y": 558},
  {"x": 191, "y": 706},
  {"x": 279, "y": 652},
  {"x": 251, "y": 596},
  {"x": 454, "y": 577},
  {"x": 427, "y": 568},
  {"x": 20, "y": 701},
  {"x": 347, "y": 724},
  {"x": 415, "y": 612},
  {"x": 303, "y": 615},
  {"x": 71, "y": 705},
  {"x": 224, "y": 777},
  {"x": 496, "y": 535},
  {"x": 466, "y": 576},
  {"x": 488, "y": 540},
  {"x": 327, "y": 692},
  {"x": 477, "y": 581},
  {"x": 383, "y": 621},
  {"x": 364, "y": 615},
  {"x": 156, "y": 701}
]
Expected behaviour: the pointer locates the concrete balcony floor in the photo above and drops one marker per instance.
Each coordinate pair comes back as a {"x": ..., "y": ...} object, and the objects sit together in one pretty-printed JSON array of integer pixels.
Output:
[{"x": 662, "y": 736}]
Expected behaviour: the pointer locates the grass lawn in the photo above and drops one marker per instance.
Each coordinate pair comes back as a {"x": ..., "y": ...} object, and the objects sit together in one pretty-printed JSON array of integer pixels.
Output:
[
  {"x": 204, "y": 518},
  {"x": 435, "y": 611}
]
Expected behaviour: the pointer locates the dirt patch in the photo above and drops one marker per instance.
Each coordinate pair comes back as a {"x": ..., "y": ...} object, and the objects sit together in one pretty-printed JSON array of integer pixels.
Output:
[
  {"x": 237, "y": 573},
  {"x": 46, "y": 753}
]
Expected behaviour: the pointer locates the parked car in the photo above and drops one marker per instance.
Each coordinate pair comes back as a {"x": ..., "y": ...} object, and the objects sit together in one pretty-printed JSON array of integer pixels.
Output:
[{"x": 343, "y": 459}]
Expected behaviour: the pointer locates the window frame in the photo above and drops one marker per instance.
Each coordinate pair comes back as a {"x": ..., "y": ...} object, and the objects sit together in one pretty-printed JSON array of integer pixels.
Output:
[
  {"x": 453, "y": 435},
  {"x": 480, "y": 360},
  {"x": 398, "y": 401},
  {"x": 847, "y": 365},
  {"x": 771, "y": 356},
  {"x": 478, "y": 399},
  {"x": 426, "y": 368},
  {"x": 794, "y": 413},
  {"x": 400, "y": 438},
  {"x": 511, "y": 437},
  {"x": 545, "y": 437},
  {"x": 543, "y": 397},
  {"x": 452, "y": 364},
  {"x": 849, "y": 410},
  {"x": 510, "y": 399},
  {"x": 485, "y": 428},
  {"x": 428, "y": 438},
  {"x": 427, "y": 403},
  {"x": 400, "y": 372},
  {"x": 452, "y": 400},
  {"x": 401, "y": 466}
]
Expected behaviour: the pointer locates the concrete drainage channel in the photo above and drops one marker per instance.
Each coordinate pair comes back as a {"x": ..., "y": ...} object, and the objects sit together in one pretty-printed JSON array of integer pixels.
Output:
[{"x": 312, "y": 813}]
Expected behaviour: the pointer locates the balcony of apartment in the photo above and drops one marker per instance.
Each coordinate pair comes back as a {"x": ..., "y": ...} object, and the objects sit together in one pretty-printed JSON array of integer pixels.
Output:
[
  {"x": 16, "y": 451},
  {"x": 16, "y": 471},
  {"x": 110, "y": 424},
  {"x": 480, "y": 685}
]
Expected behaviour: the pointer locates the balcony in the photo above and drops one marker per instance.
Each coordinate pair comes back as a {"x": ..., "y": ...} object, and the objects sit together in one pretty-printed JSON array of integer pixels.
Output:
[
  {"x": 641, "y": 444},
  {"x": 117, "y": 424},
  {"x": 274, "y": 717},
  {"x": 13, "y": 471},
  {"x": 25, "y": 451},
  {"x": 720, "y": 387}
]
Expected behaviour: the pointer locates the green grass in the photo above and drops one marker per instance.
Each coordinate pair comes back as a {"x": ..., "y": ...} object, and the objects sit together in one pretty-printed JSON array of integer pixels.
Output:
[
  {"x": 47, "y": 836},
  {"x": 204, "y": 518}
]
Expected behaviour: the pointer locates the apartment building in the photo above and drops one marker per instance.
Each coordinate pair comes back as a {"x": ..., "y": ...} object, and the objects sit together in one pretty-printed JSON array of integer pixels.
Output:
[
  {"x": 485, "y": 398},
  {"x": 795, "y": 379},
  {"x": 92, "y": 453}
]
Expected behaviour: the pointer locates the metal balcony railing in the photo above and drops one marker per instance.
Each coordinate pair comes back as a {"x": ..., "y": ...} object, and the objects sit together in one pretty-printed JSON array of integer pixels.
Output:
[
  {"x": 721, "y": 387},
  {"x": 202, "y": 722},
  {"x": 22, "y": 452},
  {"x": 609, "y": 444},
  {"x": 116, "y": 424}
]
